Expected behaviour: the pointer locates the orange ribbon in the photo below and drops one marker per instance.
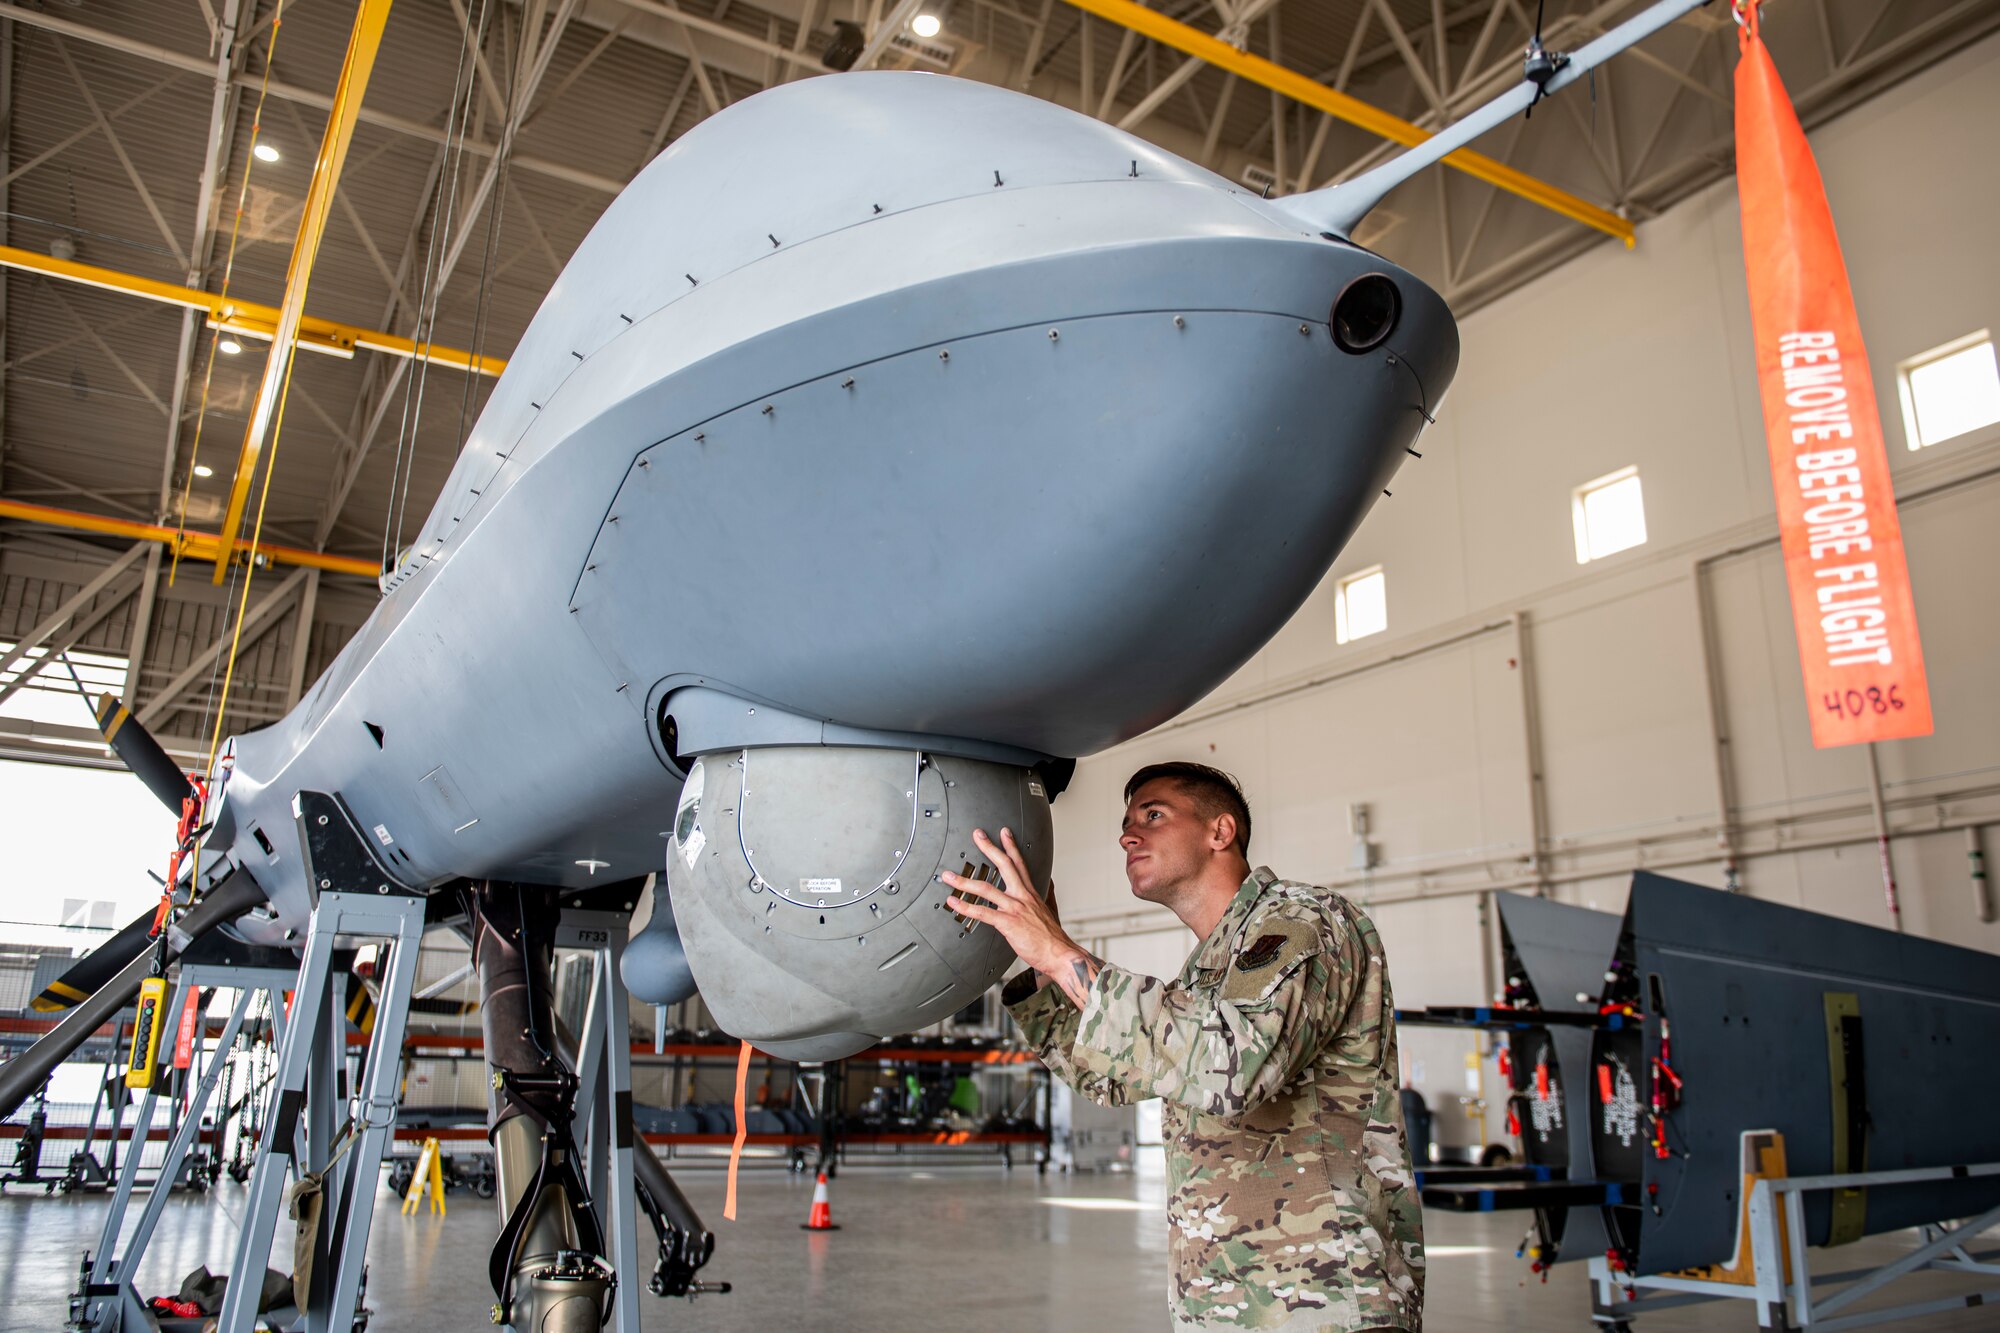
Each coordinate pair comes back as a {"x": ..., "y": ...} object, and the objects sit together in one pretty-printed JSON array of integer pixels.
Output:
[{"x": 742, "y": 1131}]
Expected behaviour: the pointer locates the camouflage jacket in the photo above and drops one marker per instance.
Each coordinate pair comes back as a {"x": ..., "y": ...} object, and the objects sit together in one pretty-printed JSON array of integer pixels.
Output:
[{"x": 1291, "y": 1203}]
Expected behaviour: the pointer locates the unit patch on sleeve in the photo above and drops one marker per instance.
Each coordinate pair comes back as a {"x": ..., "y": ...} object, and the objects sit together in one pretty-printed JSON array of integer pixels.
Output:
[
  {"x": 1261, "y": 954},
  {"x": 1276, "y": 948}
]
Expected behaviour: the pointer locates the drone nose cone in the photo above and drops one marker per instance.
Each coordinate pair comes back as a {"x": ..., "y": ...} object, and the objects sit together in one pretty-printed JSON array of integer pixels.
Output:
[{"x": 1052, "y": 542}]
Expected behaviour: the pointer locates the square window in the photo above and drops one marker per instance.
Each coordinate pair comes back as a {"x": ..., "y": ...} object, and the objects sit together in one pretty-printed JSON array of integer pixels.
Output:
[
  {"x": 1950, "y": 390},
  {"x": 1360, "y": 606},
  {"x": 1609, "y": 514}
]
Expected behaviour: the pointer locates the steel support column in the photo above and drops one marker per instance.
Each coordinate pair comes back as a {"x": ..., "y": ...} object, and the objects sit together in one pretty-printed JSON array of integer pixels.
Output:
[
  {"x": 78, "y": 628},
  {"x": 141, "y": 637},
  {"x": 295, "y": 679},
  {"x": 53, "y": 624},
  {"x": 256, "y": 621}
]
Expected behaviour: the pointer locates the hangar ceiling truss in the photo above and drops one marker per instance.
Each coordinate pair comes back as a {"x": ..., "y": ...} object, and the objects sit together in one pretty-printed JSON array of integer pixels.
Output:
[{"x": 126, "y": 145}]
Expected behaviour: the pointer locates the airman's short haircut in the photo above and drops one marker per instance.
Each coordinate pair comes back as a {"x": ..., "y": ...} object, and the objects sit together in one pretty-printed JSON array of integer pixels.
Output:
[{"x": 1213, "y": 792}]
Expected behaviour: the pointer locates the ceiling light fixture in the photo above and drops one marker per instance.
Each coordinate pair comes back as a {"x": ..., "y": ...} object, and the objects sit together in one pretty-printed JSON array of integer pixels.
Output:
[
  {"x": 203, "y": 470},
  {"x": 230, "y": 347},
  {"x": 266, "y": 153},
  {"x": 926, "y": 25}
]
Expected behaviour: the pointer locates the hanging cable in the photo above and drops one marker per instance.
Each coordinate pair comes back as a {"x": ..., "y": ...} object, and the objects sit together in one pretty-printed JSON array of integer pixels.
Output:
[
  {"x": 443, "y": 213},
  {"x": 496, "y": 208},
  {"x": 216, "y": 707},
  {"x": 444, "y": 193},
  {"x": 256, "y": 536},
  {"x": 216, "y": 701},
  {"x": 228, "y": 272}
]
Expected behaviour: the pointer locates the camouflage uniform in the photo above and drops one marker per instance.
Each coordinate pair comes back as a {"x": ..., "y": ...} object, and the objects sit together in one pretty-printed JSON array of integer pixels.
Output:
[{"x": 1274, "y": 1053}]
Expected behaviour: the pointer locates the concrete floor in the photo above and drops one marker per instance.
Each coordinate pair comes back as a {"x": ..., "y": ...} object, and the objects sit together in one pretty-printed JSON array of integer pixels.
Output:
[{"x": 919, "y": 1249}]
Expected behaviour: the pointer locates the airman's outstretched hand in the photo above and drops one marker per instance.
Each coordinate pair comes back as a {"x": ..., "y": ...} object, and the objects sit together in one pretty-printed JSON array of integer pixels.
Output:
[{"x": 1024, "y": 919}]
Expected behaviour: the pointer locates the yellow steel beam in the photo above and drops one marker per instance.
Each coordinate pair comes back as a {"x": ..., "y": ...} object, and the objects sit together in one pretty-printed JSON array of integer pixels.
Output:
[
  {"x": 366, "y": 39},
  {"x": 195, "y": 545},
  {"x": 1289, "y": 83},
  {"x": 248, "y": 318}
]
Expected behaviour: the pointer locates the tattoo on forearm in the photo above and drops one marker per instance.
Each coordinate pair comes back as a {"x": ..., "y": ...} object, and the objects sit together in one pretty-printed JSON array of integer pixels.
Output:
[{"x": 1075, "y": 980}]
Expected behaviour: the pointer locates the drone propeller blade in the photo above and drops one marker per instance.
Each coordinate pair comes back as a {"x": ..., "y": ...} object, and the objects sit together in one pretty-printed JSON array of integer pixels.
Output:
[
  {"x": 98, "y": 966},
  {"x": 27, "y": 1071},
  {"x": 142, "y": 754}
]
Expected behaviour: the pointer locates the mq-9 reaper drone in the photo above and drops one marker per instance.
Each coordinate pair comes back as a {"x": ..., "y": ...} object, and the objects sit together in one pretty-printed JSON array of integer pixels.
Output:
[{"x": 891, "y": 441}]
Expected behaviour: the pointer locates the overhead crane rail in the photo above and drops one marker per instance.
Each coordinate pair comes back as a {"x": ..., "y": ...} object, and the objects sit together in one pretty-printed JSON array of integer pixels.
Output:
[{"x": 249, "y": 319}]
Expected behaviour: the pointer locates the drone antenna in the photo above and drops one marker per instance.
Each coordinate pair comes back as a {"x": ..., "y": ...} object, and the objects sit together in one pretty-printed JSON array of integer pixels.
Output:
[
  {"x": 1540, "y": 65},
  {"x": 1338, "y": 208}
]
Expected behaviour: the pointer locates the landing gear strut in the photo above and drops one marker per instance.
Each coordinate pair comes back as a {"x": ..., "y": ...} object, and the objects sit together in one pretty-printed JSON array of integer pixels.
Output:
[{"x": 548, "y": 1267}]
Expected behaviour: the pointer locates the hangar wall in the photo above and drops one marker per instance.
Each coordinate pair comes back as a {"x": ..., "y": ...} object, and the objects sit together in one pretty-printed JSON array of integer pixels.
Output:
[{"x": 1624, "y": 358}]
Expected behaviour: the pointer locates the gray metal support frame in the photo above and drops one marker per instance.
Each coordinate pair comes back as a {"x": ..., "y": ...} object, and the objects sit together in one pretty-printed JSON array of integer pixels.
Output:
[
  {"x": 110, "y": 1300},
  {"x": 308, "y": 1067},
  {"x": 604, "y": 1100},
  {"x": 1785, "y": 1286}
]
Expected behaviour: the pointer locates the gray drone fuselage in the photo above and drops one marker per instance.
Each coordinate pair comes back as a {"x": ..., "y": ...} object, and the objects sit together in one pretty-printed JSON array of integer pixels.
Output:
[{"x": 886, "y": 412}]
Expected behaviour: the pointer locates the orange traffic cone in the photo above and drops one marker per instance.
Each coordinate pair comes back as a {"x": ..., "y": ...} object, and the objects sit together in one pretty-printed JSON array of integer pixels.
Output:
[{"x": 821, "y": 1216}]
